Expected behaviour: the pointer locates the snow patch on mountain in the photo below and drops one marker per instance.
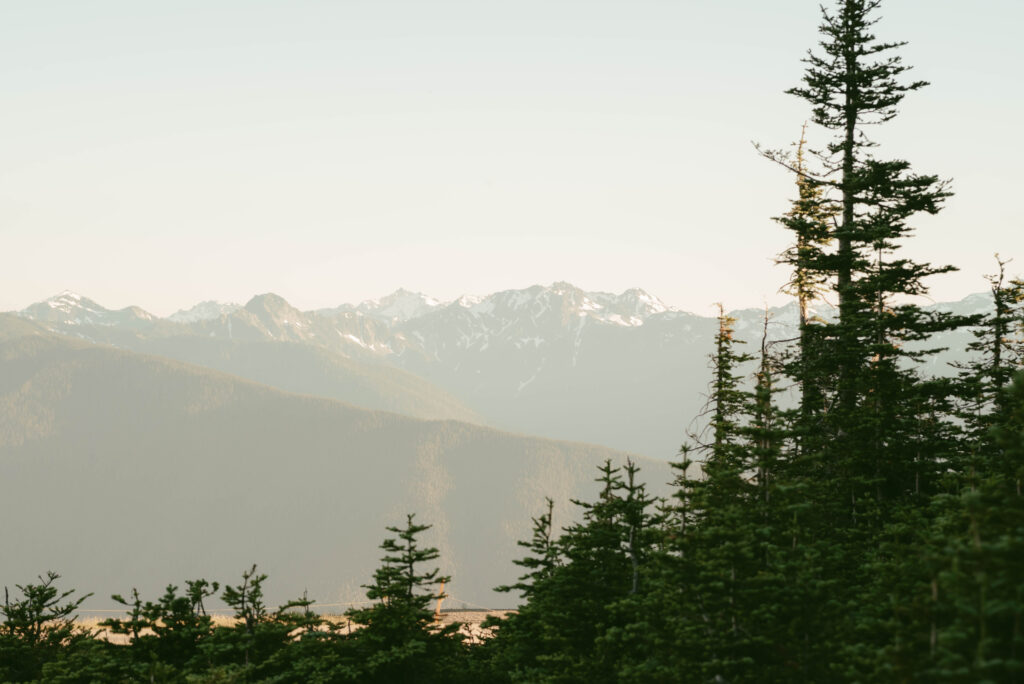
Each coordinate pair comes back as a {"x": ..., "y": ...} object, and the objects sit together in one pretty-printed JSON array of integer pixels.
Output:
[
  {"x": 971, "y": 305},
  {"x": 399, "y": 306},
  {"x": 203, "y": 311},
  {"x": 71, "y": 309}
]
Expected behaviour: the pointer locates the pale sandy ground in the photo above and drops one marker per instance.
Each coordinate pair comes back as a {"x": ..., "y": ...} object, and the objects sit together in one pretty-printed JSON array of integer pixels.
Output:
[{"x": 470, "y": 620}]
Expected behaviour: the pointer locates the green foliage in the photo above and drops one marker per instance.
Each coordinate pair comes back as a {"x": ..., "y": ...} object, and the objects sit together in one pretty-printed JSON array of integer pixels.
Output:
[
  {"x": 574, "y": 583},
  {"x": 174, "y": 639},
  {"x": 998, "y": 350},
  {"x": 544, "y": 559},
  {"x": 258, "y": 636},
  {"x": 398, "y": 640},
  {"x": 168, "y": 633},
  {"x": 36, "y": 627}
]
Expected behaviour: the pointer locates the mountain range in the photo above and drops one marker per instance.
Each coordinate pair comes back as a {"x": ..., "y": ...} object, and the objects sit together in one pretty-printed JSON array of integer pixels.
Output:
[{"x": 621, "y": 370}]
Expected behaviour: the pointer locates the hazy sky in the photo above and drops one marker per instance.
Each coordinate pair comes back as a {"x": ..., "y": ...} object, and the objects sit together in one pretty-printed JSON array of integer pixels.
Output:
[{"x": 159, "y": 153}]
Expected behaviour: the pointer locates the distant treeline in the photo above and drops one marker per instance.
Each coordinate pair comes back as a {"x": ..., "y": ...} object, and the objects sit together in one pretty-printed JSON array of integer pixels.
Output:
[{"x": 872, "y": 531}]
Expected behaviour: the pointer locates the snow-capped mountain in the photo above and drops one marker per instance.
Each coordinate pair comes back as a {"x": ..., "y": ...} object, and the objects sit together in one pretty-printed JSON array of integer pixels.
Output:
[
  {"x": 69, "y": 309},
  {"x": 631, "y": 308},
  {"x": 399, "y": 306},
  {"x": 545, "y": 322},
  {"x": 203, "y": 311},
  {"x": 623, "y": 370},
  {"x": 971, "y": 305},
  {"x": 407, "y": 322}
]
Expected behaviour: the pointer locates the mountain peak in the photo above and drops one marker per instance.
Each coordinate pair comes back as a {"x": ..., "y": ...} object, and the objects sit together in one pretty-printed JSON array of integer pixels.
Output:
[
  {"x": 68, "y": 299},
  {"x": 468, "y": 300},
  {"x": 269, "y": 302},
  {"x": 70, "y": 308},
  {"x": 401, "y": 295},
  {"x": 641, "y": 302},
  {"x": 62, "y": 305},
  {"x": 399, "y": 306},
  {"x": 203, "y": 311},
  {"x": 278, "y": 318}
]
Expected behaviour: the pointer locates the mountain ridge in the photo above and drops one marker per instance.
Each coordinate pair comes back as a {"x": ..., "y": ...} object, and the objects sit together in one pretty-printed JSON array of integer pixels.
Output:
[
  {"x": 404, "y": 305},
  {"x": 623, "y": 370}
]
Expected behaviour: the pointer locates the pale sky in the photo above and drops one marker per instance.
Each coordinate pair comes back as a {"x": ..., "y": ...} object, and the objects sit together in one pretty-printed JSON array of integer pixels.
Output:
[{"x": 162, "y": 153}]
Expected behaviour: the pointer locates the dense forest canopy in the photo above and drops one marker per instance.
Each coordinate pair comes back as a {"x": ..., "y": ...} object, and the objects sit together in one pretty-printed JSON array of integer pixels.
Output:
[{"x": 871, "y": 531}]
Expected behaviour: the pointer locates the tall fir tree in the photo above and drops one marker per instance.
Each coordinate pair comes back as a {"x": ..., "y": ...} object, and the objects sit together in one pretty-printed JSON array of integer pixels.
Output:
[
  {"x": 872, "y": 433},
  {"x": 867, "y": 420}
]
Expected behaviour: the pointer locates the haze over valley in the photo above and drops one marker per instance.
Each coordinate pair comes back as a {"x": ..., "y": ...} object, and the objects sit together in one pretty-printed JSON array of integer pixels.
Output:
[{"x": 154, "y": 470}]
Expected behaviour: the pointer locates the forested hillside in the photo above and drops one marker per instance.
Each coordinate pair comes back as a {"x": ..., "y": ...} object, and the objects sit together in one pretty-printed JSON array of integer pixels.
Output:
[{"x": 139, "y": 471}]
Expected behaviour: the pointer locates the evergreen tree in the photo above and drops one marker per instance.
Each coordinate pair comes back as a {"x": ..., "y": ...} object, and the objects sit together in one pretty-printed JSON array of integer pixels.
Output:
[
  {"x": 36, "y": 627},
  {"x": 810, "y": 220},
  {"x": 544, "y": 559},
  {"x": 951, "y": 581},
  {"x": 714, "y": 572},
  {"x": 580, "y": 587},
  {"x": 594, "y": 574},
  {"x": 997, "y": 352},
  {"x": 871, "y": 449},
  {"x": 398, "y": 640},
  {"x": 253, "y": 646},
  {"x": 872, "y": 435},
  {"x": 167, "y": 635},
  {"x": 721, "y": 542}
]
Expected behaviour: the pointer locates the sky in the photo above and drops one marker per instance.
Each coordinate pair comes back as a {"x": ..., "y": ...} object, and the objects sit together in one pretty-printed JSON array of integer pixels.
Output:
[{"x": 164, "y": 153}]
